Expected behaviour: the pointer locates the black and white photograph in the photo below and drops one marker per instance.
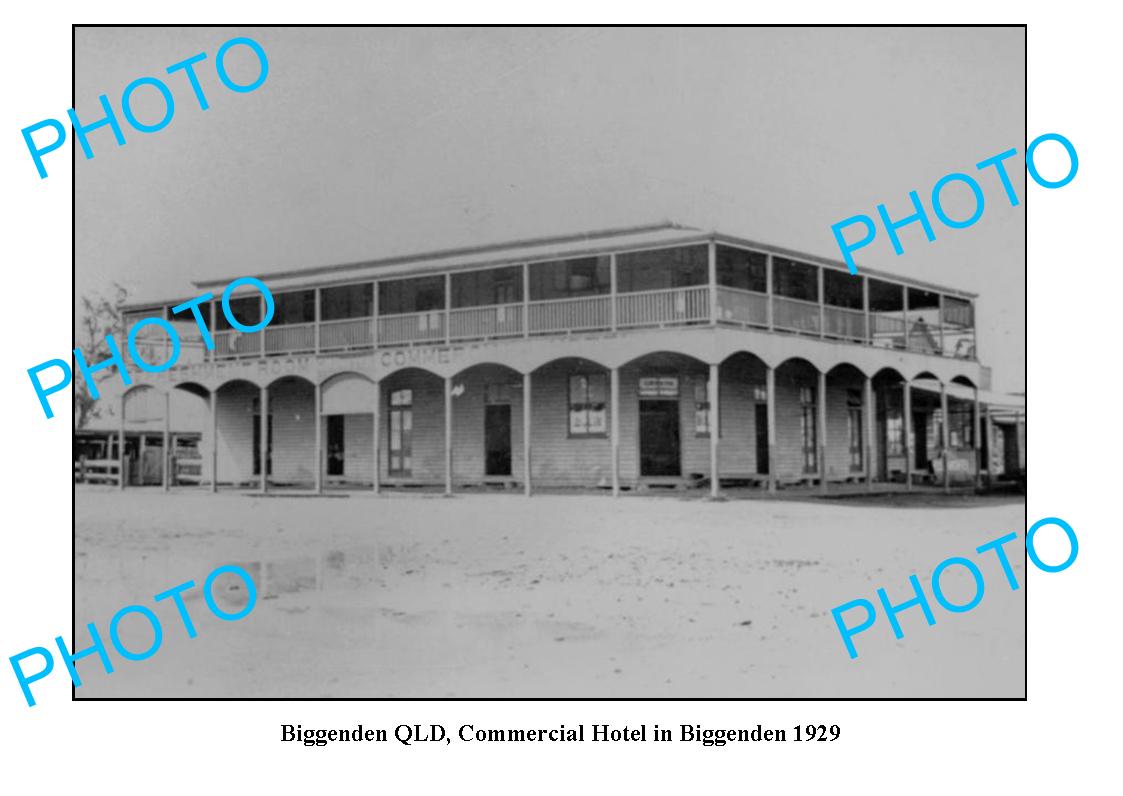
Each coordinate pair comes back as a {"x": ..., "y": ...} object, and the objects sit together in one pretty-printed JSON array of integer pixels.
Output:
[{"x": 525, "y": 362}]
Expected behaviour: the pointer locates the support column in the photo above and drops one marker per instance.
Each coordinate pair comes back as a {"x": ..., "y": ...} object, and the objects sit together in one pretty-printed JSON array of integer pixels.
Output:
[
  {"x": 715, "y": 429},
  {"x": 822, "y": 432},
  {"x": 869, "y": 417},
  {"x": 712, "y": 262},
  {"x": 822, "y": 305},
  {"x": 976, "y": 439},
  {"x": 770, "y": 398},
  {"x": 614, "y": 428},
  {"x": 214, "y": 440},
  {"x": 167, "y": 478},
  {"x": 448, "y": 436},
  {"x": 122, "y": 468},
  {"x": 527, "y": 487},
  {"x": 906, "y": 432},
  {"x": 612, "y": 290},
  {"x": 866, "y": 309},
  {"x": 376, "y": 434},
  {"x": 319, "y": 421},
  {"x": 771, "y": 312},
  {"x": 944, "y": 434},
  {"x": 263, "y": 423},
  {"x": 989, "y": 431}
]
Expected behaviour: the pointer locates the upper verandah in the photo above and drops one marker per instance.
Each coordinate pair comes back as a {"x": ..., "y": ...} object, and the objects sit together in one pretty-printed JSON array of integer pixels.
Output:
[{"x": 583, "y": 244}]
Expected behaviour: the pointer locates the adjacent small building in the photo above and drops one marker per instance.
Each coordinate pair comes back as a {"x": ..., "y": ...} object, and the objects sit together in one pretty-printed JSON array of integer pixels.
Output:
[{"x": 622, "y": 359}]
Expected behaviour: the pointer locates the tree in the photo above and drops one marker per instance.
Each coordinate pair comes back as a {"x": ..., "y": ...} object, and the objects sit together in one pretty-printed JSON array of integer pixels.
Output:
[{"x": 100, "y": 316}]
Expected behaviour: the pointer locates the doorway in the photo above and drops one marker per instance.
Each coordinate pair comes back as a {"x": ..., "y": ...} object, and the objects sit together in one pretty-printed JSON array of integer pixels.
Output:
[
  {"x": 762, "y": 438},
  {"x": 497, "y": 439},
  {"x": 920, "y": 441},
  {"x": 659, "y": 450},
  {"x": 335, "y": 445}
]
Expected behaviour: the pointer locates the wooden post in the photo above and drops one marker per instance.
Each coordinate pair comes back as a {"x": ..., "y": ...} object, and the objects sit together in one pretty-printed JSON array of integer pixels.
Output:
[
  {"x": 944, "y": 433},
  {"x": 214, "y": 440},
  {"x": 712, "y": 388},
  {"x": 940, "y": 320},
  {"x": 316, "y": 319},
  {"x": 376, "y": 434},
  {"x": 870, "y": 417},
  {"x": 319, "y": 431},
  {"x": 167, "y": 480},
  {"x": 712, "y": 263},
  {"x": 263, "y": 447},
  {"x": 122, "y": 463},
  {"x": 770, "y": 398},
  {"x": 374, "y": 321},
  {"x": 613, "y": 292},
  {"x": 905, "y": 314},
  {"x": 906, "y": 432},
  {"x": 448, "y": 436},
  {"x": 614, "y": 428},
  {"x": 448, "y": 307},
  {"x": 866, "y": 308},
  {"x": 822, "y": 431},
  {"x": 526, "y": 300},
  {"x": 976, "y": 420},
  {"x": 989, "y": 431},
  {"x": 768, "y": 301},
  {"x": 527, "y": 487},
  {"x": 822, "y": 304}
]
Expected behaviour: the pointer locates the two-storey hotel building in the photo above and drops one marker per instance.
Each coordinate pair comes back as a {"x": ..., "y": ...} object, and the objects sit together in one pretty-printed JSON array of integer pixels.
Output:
[{"x": 622, "y": 359}]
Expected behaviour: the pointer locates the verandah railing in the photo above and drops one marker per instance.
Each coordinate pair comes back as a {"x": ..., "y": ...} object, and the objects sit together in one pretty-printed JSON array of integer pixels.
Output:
[{"x": 653, "y": 308}]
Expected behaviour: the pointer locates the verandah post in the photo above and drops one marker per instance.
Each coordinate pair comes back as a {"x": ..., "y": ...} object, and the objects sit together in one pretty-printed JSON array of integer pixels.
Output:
[
  {"x": 448, "y": 436},
  {"x": 822, "y": 431},
  {"x": 906, "y": 432},
  {"x": 944, "y": 433},
  {"x": 712, "y": 388},
  {"x": 527, "y": 488},
  {"x": 166, "y": 476},
  {"x": 319, "y": 435},
  {"x": 770, "y": 408},
  {"x": 870, "y": 417},
  {"x": 614, "y": 428}
]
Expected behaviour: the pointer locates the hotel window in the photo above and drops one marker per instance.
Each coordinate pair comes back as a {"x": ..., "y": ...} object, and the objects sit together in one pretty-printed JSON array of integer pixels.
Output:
[
  {"x": 745, "y": 270},
  {"x": 854, "y": 428},
  {"x": 807, "y": 429},
  {"x": 587, "y": 401},
  {"x": 894, "y": 433},
  {"x": 401, "y": 432},
  {"x": 662, "y": 269},
  {"x": 701, "y": 407},
  {"x": 559, "y": 279},
  {"x": 347, "y": 301},
  {"x": 961, "y": 429},
  {"x": 246, "y": 310}
]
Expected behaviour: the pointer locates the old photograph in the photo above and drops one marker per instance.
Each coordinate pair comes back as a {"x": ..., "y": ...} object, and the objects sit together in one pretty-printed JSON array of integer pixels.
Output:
[{"x": 524, "y": 363}]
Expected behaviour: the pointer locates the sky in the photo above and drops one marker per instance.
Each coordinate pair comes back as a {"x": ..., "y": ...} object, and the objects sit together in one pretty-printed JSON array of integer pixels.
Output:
[{"x": 369, "y": 142}]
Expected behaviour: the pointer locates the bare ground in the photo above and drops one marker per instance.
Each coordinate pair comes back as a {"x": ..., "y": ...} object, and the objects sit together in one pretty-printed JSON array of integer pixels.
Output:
[{"x": 496, "y": 595}]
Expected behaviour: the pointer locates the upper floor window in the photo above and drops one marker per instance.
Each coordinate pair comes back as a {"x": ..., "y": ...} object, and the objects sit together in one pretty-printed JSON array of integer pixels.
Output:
[
  {"x": 346, "y": 301},
  {"x": 491, "y": 286},
  {"x": 558, "y": 279},
  {"x": 298, "y": 306},
  {"x": 423, "y": 294},
  {"x": 662, "y": 268},
  {"x": 795, "y": 280},
  {"x": 746, "y": 270},
  {"x": 246, "y": 310}
]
